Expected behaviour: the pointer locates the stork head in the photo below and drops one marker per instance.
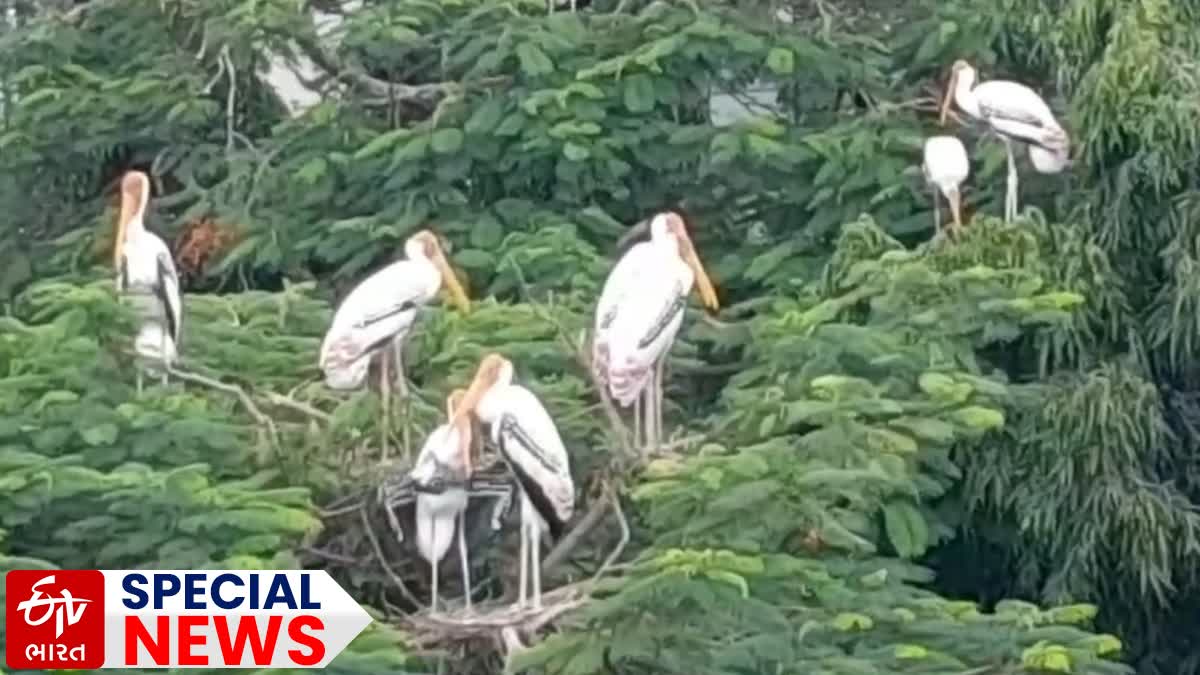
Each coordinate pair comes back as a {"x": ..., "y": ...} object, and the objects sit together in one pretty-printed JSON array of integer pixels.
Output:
[
  {"x": 425, "y": 245},
  {"x": 135, "y": 190},
  {"x": 670, "y": 226},
  {"x": 959, "y": 71},
  {"x": 494, "y": 371}
]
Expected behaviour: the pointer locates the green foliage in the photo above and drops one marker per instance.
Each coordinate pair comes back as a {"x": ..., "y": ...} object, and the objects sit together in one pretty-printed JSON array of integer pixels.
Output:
[
  {"x": 767, "y": 544},
  {"x": 863, "y": 403}
]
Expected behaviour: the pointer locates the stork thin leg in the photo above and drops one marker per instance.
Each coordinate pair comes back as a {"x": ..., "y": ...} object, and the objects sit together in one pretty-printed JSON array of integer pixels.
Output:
[
  {"x": 937, "y": 214},
  {"x": 433, "y": 570},
  {"x": 402, "y": 381},
  {"x": 659, "y": 380},
  {"x": 1010, "y": 202},
  {"x": 647, "y": 399},
  {"x": 523, "y": 584},
  {"x": 462, "y": 557},
  {"x": 401, "y": 377},
  {"x": 162, "y": 353},
  {"x": 637, "y": 422},
  {"x": 139, "y": 380},
  {"x": 385, "y": 395},
  {"x": 536, "y": 560}
]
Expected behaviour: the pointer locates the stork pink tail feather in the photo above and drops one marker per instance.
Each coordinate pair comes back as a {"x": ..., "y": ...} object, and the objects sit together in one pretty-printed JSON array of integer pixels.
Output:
[{"x": 625, "y": 385}]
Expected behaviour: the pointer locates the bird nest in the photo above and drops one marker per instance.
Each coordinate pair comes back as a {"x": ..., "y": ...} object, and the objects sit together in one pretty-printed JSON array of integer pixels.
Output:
[
  {"x": 372, "y": 531},
  {"x": 508, "y": 626}
]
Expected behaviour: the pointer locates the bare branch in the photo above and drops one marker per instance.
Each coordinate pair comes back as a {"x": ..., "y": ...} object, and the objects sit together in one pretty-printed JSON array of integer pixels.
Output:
[
  {"x": 565, "y": 546},
  {"x": 386, "y": 92},
  {"x": 396, "y": 580},
  {"x": 288, "y": 402},
  {"x": 620, "y": 547},
  {"x": 247, "y": 402}
]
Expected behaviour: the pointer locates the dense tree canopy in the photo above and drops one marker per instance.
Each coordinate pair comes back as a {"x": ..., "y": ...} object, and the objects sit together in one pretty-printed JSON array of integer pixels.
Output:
[{"x": 889, "y": 453}]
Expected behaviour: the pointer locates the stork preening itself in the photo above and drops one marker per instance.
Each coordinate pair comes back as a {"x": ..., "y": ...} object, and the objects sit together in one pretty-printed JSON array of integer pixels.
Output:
[
  {"x": 637, "y": 317},
  {"x": 377, "y": 316},
  {"x": 146, "y": 275},
  {"x": 1018, "y": 115},
  {"x": 440, "y": 482},
  {"x": 946, "y": 167},
  {"x": 529, "y": 441}
]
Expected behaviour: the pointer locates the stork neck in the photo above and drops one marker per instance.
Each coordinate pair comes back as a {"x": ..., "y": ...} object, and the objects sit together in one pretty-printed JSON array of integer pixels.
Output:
[
  {"x": 488, "y": 410},
  {"x": 964, "y": 93}
]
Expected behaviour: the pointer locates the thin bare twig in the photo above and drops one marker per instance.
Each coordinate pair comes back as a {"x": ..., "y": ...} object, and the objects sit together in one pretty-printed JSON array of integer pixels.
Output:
[
  {"x": 620, "y": 547},
  {"x": 289, "y": 402},
  {"x": 230, "y": 98},
  {"x": 396, "y": 580},
  {"x": 327, "y": 555},
  {"x": 247, "y": 402},
  {"x": 582, "y": 357},
  {"x": 213, "y": 82},
  {"x": 565, "y": 546}
]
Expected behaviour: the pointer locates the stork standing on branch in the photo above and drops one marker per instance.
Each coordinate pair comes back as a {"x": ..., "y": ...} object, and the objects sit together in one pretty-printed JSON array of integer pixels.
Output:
[
  {"x": 146, "y": 274},
  {"x": 638, "y": 315},
  {"x": 534, "y": 451},
  {"x": 440, "y": 483},
  {"x": 945, "y": 168},
  {"x": 379, "y": 313},
  {"x": 1017, "y": 114}
]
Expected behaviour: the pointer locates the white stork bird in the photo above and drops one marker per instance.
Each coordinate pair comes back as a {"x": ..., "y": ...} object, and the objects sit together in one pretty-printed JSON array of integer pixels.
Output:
[
  {"x": 945, "y": 168},
  {"x": 146, "y": 273},
  {"x": 638, "y": 315},
  {"x": 529, "y": 442},
  {"x": 440, "y": 483},
  {"x": 379, "y": 313},
  {"x": 1016, "y": 113}
]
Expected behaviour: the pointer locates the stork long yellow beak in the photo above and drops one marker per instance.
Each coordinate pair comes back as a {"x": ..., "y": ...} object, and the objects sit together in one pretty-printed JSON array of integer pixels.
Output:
[
  {"x": 947, "y": 97},
  {"x": 956, "y": 207},
  {"x": 485, "y": 377},
  {"x": 450, "y": 280},
  {"x": 463, "y": 425},
  {"x": 704, "y": 286},
  {"x": 478, "y": 387},
  {"x": 131, "y": 201}
]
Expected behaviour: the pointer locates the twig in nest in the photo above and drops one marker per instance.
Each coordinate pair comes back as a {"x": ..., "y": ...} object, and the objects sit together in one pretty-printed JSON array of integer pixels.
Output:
[
  {"x": 328, "y": 555},
  {"x": 399, "y": 583},
  {"x": 493, "y": 618}
]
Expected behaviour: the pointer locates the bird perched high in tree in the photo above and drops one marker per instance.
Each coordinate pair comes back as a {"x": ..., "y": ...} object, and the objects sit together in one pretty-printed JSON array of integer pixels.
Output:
[
  {"x": 146, "y": 273},
  {"x": 1017, "y": 114}
]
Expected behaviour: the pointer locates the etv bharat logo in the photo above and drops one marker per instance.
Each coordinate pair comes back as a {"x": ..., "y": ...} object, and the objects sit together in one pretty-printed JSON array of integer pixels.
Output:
[
  {"x": 101, "y": 619},
  {"x": 75, "y": 637},
  {"x": 62, "y": 609}
]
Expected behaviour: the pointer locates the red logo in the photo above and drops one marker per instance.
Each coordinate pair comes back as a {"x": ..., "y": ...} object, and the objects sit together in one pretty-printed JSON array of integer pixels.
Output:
[{"x": 54, "y": 619}]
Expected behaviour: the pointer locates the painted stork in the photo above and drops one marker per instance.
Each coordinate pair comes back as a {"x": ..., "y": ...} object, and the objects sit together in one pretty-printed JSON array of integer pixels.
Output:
[
  {"x": 945, "y": 168},
  {"x": 440, "y": 482},
  {"x": 379, "y": 313},
  {"x": 529, "y": 442},
  {"x": 1017, "y": 114},
  {"x": 638, "y": 315},
  {"x": 146, "y": 274}
]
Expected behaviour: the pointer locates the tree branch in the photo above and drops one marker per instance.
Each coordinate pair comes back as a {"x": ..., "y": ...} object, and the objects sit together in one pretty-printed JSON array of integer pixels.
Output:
[
  {"x": 384, "y": 91},
  {"x": 247, "y": 402},
  {"x": 565, "y": 546},
  {"x": 396, "y": 580}
]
